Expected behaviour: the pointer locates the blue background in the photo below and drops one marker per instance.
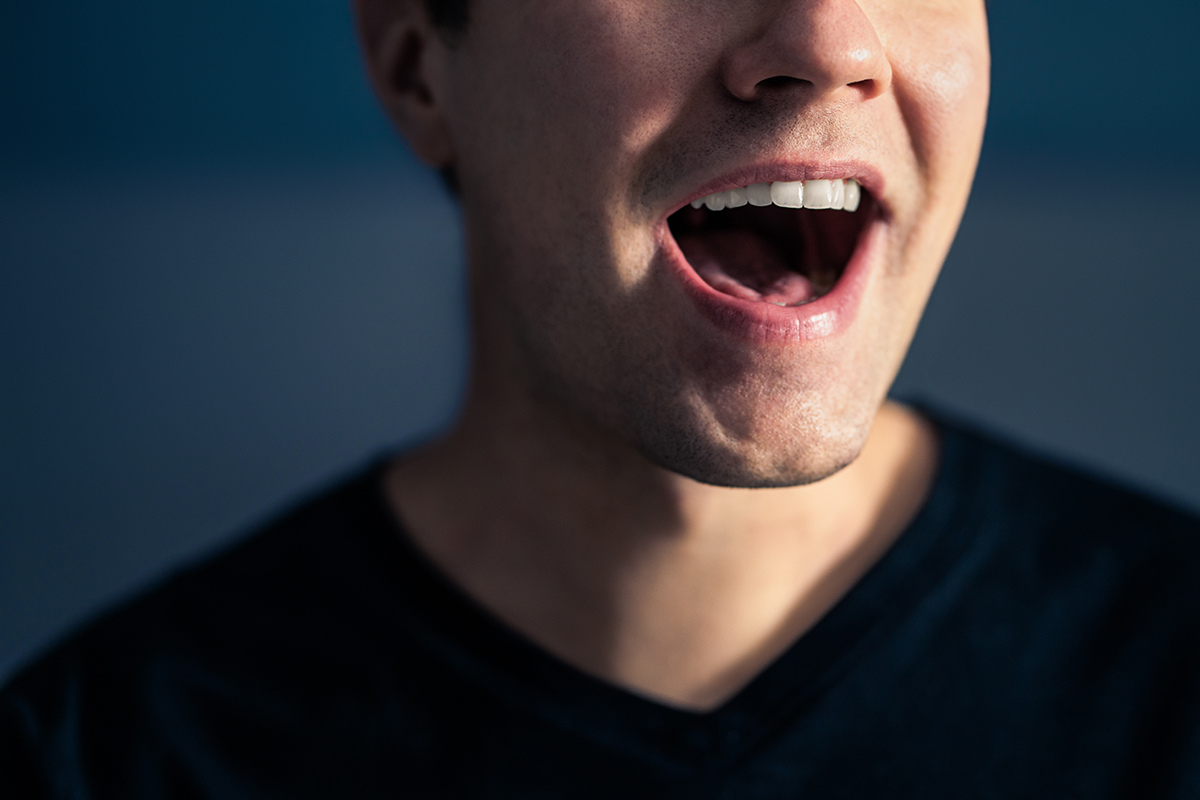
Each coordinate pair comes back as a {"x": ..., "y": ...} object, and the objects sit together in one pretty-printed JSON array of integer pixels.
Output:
[{"x": 223, "y": 281}]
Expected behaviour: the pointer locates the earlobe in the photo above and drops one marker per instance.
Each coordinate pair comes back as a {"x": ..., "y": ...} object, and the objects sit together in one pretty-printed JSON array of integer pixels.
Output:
[{"x": 405, "y": 60}]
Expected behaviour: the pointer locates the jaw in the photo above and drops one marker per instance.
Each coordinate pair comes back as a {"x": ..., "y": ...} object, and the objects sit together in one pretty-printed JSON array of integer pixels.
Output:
[
  {"x": 609, "y": 315},
  {"x": 764, "y": 392},
  {"x": 755, "y": 436},
  {"x": 716, "y": 388}
]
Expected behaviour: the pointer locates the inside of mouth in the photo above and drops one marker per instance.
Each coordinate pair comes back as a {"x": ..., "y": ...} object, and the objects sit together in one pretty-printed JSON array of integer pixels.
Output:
[{"x": 769, "y": 254}]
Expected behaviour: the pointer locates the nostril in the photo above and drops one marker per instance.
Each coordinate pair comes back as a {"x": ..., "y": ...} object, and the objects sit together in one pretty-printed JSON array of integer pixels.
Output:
[
  {"x": 779, "y": 82},
  {"x": 873, "y": 87},
  {"x": 820, "y": 45}
]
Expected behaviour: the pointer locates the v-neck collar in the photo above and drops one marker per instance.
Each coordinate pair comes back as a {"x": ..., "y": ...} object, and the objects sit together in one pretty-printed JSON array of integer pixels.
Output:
[{"x": 523, "y": 674}]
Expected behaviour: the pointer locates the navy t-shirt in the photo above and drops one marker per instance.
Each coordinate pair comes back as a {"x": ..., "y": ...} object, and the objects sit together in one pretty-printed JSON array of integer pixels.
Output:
[{"x": 1033, "y": 633}]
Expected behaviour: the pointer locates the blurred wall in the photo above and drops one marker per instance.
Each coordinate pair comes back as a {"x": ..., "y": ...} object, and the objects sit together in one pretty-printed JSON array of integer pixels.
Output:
[{"x": 223, "y": 282}]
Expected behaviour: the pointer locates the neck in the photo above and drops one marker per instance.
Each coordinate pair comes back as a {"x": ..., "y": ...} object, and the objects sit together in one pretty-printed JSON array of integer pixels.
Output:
[{"x": 671, "y": 588}]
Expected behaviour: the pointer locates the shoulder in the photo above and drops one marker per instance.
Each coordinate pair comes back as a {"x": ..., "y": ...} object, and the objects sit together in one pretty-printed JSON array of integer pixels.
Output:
[
  {"x": 1032, "y": 487},
  {"x": 1066, "y": 529},
  {"x": 144, "y": 676},
  {"x": 301, "y": 552}
]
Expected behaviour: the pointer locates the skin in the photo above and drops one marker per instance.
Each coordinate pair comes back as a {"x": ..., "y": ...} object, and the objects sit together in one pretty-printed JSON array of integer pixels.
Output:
[{"x": 661, "y": 502}]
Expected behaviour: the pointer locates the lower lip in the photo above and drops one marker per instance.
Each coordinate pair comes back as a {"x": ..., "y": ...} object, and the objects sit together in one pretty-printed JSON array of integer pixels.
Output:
[{"x": 823, "y": 318}]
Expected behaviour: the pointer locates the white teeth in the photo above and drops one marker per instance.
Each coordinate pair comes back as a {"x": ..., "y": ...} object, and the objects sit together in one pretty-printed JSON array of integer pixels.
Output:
[
  {"x": 852, "y": 196},
  {"x": 839, "y": 194},
  {"x": 845, "y": 194},
  {"x": 788, "y": 194},
  {"x": 759, "y": 194},
  {"x": 818, "y": 194}
]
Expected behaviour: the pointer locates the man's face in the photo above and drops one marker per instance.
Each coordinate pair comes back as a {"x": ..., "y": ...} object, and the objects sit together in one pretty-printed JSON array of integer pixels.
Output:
[{"x": 749, "y": 346}]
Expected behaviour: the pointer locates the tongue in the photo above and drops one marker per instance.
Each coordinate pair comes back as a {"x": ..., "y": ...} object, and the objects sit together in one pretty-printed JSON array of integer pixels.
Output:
[{"x": 743, "y": 264}]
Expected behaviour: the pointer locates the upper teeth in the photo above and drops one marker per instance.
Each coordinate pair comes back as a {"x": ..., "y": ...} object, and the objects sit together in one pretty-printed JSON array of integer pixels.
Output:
[{"x": 843, "y": 194}]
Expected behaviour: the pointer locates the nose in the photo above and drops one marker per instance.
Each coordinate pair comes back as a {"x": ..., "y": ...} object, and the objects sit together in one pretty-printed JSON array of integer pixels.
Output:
[{"x": 827, "y": 45}]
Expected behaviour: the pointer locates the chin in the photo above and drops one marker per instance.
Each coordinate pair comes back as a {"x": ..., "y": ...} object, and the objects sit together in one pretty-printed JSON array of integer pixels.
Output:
[{"x": 802, "y": 453}]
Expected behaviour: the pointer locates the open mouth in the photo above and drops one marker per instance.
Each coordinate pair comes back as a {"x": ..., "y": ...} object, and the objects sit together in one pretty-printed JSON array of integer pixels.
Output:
[{"x": 785, "y": 243}]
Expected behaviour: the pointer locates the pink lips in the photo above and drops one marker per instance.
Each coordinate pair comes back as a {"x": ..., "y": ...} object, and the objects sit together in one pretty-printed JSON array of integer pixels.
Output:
[{"x": 762, "y": 322}]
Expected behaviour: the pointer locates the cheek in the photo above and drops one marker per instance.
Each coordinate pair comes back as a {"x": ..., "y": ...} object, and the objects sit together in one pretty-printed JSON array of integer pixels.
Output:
[
  {"x": 942, "y": 86},
  {"x": 555, "y": 133},
  {"x": 614, "y": 78}
]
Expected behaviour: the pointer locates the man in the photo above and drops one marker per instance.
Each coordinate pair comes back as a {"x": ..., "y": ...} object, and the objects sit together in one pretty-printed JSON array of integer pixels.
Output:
[{"x": 678, "y": 544}]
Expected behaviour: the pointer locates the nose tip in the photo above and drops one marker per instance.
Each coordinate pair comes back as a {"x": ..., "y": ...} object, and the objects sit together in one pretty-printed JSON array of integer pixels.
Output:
[{"x": 825, "y": 44}]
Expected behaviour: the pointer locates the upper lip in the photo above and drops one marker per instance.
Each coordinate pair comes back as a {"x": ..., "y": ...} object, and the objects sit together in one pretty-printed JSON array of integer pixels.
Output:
[{"x": 867, "y": 174}]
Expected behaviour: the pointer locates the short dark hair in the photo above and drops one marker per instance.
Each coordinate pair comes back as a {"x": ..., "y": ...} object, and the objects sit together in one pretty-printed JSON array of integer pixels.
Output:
[{"x": 449, "y": 15}]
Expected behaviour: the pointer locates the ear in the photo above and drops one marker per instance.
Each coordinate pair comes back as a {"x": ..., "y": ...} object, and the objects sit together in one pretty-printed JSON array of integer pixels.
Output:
[{"x": 406, "y": 60}]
